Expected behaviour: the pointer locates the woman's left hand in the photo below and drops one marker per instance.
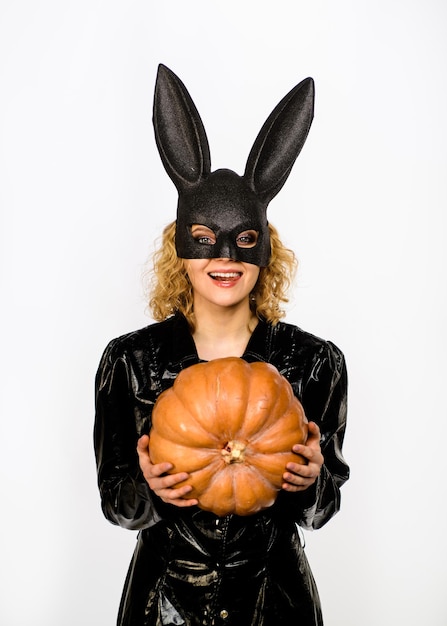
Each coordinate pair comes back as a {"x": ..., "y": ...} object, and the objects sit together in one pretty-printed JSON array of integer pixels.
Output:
[{"x": 298, "y": 477}]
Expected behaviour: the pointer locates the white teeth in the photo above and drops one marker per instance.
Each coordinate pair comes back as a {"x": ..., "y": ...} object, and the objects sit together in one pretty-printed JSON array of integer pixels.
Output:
[{"x": 224, "y": 274}]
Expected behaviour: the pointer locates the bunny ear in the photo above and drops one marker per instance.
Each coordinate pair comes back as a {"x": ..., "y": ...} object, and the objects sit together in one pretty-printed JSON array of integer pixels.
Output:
[
  {"x": 280, "y": 141},
  {"x": 179, "y": 131}
]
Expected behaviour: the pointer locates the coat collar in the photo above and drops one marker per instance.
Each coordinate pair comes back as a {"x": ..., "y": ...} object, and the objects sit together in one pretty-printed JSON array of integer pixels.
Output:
[{"x": 184, "y": 349}]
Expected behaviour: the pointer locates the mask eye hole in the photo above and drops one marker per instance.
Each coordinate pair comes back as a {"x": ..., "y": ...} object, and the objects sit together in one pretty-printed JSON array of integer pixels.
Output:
[
  {"x": 247, "y": 239},
  {"x": 203, "y": 235}
]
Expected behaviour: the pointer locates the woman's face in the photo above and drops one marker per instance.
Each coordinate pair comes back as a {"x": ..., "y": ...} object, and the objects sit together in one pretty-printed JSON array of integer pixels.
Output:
[{"x": 221, "y": 282}]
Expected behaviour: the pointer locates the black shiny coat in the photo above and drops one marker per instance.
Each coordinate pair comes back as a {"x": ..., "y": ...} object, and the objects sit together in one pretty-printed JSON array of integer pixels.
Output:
[{"x": 191, "y": 567}]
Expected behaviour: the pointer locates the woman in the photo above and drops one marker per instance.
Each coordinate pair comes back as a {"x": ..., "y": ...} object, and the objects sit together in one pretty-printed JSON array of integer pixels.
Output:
[{"x": 220, "y": 278}]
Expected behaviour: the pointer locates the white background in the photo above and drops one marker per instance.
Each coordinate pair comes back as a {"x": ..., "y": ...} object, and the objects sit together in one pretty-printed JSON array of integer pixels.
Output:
[{"x": 83, "y": 197}]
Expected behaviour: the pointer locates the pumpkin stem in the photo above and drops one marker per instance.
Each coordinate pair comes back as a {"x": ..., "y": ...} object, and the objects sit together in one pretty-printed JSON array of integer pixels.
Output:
[{"x": 233, "y": 452}]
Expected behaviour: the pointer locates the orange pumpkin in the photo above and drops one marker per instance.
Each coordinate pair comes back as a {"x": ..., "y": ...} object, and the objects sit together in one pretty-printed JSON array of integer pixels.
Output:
[{"x": 231, "y": 425}]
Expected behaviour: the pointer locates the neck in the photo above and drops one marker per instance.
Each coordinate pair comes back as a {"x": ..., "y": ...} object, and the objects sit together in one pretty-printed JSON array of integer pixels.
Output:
[{"x": 222, "y": 332}]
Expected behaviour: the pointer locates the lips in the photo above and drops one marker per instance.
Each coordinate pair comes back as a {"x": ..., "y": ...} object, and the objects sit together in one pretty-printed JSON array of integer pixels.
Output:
[{"x": 225, "y": 277}]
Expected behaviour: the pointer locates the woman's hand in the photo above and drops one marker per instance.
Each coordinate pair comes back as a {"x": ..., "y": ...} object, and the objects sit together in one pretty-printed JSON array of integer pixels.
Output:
[
  {"x": 161, "y": 483},
  {"x": 300, "y": 477}
]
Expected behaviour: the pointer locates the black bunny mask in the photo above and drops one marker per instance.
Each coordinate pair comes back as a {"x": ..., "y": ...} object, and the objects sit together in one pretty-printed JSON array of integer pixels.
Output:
[{"x": 222, "y": 200}]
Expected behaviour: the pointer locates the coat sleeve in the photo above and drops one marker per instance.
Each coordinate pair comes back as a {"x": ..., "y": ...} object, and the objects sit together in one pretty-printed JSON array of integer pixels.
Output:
[
  {"x": 126, "y": 499},
  {"x": 324, "y": 399}
]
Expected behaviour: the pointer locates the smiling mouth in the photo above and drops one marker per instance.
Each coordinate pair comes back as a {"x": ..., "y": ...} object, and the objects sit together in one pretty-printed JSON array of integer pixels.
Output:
[{"x": 225, "y": 276}]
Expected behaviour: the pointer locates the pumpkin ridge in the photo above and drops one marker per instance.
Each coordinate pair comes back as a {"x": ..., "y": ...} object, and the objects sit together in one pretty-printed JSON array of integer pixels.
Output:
[
  {"x": 270, "y": 479},
  {"x": 219, "y": 494},
  {"x": 182, "y": 397},
  {"x": 184, "y": 458},
  {"x": 289, "y": 414},
  {"x": 205, "y": 474},
  {"x": 262, "y": 409},
  {"x": 164, "y": 417},
  {"x": 254, "y": 493},
  {"x": 191, "y": 415},
  {"x": 272, "y": 466},
  {"x": 231, "y": 406}
]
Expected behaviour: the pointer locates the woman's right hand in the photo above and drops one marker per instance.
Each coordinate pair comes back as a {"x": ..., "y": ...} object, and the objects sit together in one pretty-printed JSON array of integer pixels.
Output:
[{"x": 159, "y": 481}]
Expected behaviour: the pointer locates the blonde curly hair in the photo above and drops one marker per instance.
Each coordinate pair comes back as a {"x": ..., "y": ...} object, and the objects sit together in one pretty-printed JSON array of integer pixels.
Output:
[{"x": 169, "y": 288}]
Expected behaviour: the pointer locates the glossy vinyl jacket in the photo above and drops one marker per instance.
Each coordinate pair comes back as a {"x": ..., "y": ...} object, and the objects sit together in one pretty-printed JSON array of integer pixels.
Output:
[{"x": 191, "y": 567}]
